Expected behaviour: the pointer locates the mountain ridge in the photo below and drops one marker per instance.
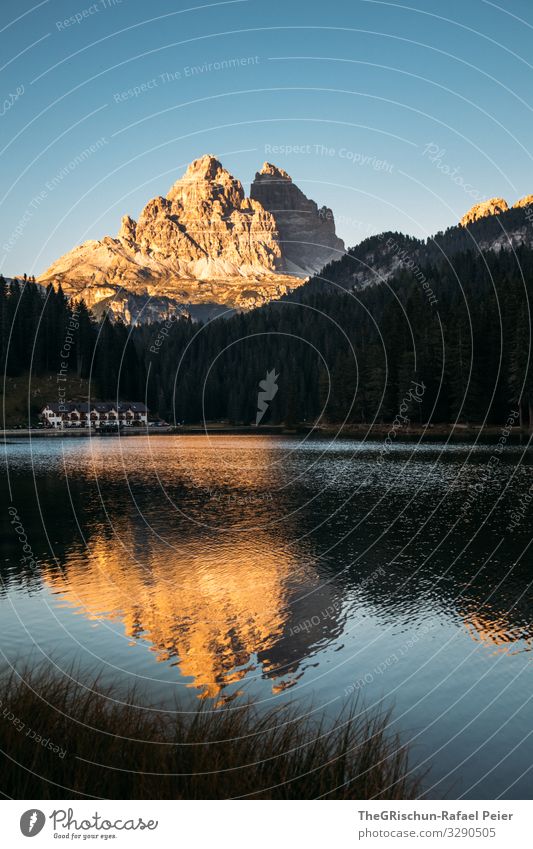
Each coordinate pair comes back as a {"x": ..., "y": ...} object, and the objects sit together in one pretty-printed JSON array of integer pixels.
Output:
[
  {"x": 207, "y": 249},
  {"x": 379, "y": 257},
  {"x": 204, "y": 243}
]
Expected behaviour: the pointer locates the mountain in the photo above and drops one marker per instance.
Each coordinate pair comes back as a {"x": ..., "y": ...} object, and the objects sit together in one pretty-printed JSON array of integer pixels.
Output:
[
  {"x": 490, "y": 226},
  {"x": 206, "y": 248},
  {"x": 493, "y": 206},
  {"x": 450, "y": 315},
  {"x": 205, "y": 244},
  {"x": 306, "y": 233}
]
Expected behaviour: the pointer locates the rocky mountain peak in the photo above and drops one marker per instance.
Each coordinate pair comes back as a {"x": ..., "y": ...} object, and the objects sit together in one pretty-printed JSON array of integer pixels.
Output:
[
  {"x": 206, "y": 167},
  {"x": 272, "y": 171},
  {"x": 127, "y": 229},
  {"x": 307, "y": 235},
  {"x": 206, "y": 244},
  {"x": 207, "y": 180},
  {"x": 525, "y": 201},
  {"x": 494, "y": 206}
]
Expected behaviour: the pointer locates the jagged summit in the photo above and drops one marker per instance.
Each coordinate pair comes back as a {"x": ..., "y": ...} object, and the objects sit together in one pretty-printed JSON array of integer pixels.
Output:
[
  {"x": 525, "y": 201},
  {"x": 307, "y": 233},
  {"x": 206, "y": 167},
  {"x": 127, "y": 230},
  {"x": 269, "y": 170},
  {"x": 206, "y": 179},
  {"x": 493, "y": 206},
  {"x": 205, "y": 242}
]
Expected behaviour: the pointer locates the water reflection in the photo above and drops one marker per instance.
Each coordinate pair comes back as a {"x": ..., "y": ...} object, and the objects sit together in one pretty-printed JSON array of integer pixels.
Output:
[
  {"x": 239, "y": 558},
  {"x": 216, "y": 613},
  {"x": 197, "y": 555},
  {"x": 500, "y": 633},
  {"x": 259, "y": 565}
]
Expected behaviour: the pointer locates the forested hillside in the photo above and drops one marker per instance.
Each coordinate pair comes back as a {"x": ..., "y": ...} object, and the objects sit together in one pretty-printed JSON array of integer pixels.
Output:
[{"x": 343, "y": 356}]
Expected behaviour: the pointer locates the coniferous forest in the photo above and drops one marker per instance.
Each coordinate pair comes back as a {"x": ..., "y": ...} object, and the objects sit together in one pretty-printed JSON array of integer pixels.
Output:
[{"x": 340, "y": 355}]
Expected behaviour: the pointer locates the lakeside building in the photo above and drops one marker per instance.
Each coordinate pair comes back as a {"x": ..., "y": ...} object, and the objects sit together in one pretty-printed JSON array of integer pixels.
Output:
[{"x": 96, "y": 415}]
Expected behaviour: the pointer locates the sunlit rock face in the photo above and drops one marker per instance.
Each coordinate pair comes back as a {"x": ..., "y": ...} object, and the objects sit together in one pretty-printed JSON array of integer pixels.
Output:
[
  {"x": 494, "y": 206},
  {"x": 523, "y": 202},
  {"x": 204, "y": 243}
]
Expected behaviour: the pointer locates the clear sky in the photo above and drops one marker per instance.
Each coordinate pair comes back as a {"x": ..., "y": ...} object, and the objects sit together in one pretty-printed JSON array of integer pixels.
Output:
[{"x": 104, "y": 111}]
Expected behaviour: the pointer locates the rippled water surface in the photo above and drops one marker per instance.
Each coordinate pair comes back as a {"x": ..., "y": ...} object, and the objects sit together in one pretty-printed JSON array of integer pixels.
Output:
[{"x": 280, "y": 569}]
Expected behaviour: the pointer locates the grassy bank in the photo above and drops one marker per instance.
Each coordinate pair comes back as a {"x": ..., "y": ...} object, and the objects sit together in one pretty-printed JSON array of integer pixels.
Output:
[
  {"x": 26, "y": 395},
  {"x": 63, "y": 739}
]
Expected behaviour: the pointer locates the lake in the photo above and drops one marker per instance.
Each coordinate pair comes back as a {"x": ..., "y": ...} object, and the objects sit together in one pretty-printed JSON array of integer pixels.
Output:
[{"x": 213, "y": 567}]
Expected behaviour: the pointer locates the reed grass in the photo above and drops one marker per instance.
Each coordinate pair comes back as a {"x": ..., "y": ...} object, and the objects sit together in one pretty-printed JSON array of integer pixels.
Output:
[{"x": 111, "y": 749}]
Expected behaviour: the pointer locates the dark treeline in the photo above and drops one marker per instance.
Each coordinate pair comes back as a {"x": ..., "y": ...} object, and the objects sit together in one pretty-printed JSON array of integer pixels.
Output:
[
  {"x": 40, "y": 330},
  {"x": 375, "y": 253},
  {"x": 353, "y": 357}
]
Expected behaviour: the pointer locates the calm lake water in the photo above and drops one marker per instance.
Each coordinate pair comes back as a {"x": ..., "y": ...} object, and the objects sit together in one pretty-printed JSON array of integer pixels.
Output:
[{"x": 280, "y": 569}]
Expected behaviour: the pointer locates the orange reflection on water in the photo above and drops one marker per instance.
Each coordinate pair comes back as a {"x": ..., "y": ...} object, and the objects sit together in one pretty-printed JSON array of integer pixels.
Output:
[
  {"x": 208, "y": 605},
  {"x": 498, "y": 632}
]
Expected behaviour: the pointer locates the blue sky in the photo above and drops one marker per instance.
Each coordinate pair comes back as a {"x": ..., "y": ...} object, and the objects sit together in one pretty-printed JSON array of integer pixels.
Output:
[{"x": 397, "y": 116}]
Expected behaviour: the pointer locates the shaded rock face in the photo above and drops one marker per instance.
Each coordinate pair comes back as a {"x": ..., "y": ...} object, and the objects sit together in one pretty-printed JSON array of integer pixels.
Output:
[
  {"x": 494, "y": 206},
  {"x": 306, "y": 233},
  {"x": 204, "y": 243}
]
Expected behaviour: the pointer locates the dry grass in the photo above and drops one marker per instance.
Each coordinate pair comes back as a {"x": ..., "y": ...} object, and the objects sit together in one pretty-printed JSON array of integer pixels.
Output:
[{"x": 117, "y": 751}]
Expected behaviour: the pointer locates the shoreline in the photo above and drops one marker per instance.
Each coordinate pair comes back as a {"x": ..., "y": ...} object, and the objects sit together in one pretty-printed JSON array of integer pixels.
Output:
[{"x": 361, "y": 432}]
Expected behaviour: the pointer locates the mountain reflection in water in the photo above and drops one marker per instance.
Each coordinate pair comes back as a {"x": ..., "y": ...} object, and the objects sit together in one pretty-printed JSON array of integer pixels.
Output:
[{"x": 260, "y": 565}]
